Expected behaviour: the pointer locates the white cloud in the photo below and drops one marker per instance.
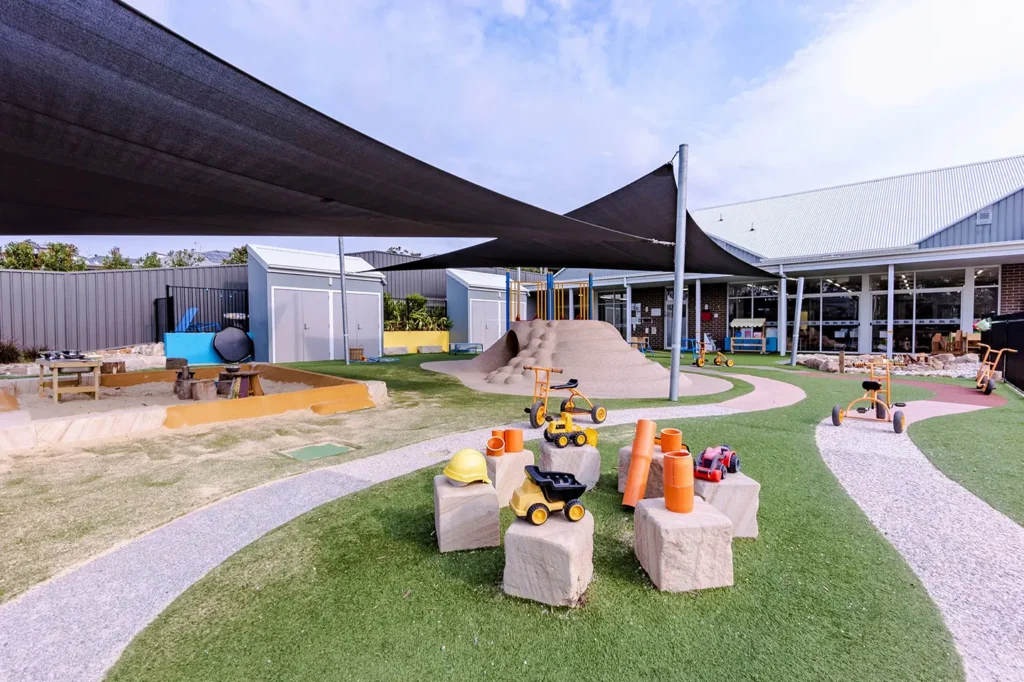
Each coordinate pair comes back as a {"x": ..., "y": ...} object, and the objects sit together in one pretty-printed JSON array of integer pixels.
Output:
[
  {"x": 516, "y": 8},
  {"x": 889, "y": 87}
]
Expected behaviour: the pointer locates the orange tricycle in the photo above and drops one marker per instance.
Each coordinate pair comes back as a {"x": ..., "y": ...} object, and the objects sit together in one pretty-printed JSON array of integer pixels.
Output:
[
  {"x": 542, "y": 387},
  {"x": 875, "y": 404},
  {"x": 986, "y": 379}
]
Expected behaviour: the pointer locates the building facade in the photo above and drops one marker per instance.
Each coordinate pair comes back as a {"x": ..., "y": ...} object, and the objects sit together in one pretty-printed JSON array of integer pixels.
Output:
[{"x": 909, "y": 257}]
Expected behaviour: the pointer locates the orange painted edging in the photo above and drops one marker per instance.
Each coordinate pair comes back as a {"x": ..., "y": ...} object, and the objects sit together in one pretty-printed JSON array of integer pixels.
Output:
[
  {"x": 352, "y": 396},
  {"x": 270, "y": 372}
]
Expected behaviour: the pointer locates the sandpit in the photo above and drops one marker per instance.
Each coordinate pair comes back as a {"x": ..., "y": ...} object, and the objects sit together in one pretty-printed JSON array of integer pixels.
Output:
[{"x": 590, "y": 351}]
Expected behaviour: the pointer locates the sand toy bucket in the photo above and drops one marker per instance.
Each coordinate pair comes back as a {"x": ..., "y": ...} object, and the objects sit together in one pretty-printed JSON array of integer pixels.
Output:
[
  {"x": 678, "y": 468},
  {"x": 513, "y": 440},
  {"x": 495, "y": 446}
]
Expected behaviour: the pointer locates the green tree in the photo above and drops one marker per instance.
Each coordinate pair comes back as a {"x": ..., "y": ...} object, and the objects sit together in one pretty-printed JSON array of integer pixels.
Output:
[
  {"x": 19, "y": 256},
  {"x": 150, "y": 260},
  {"x": 398, "y": 250},
  {"x": 115, "y": 261},
  {"x": 61, "y": 257},
  {"x": 238, "y": 256},
  {"x": 184, "y": 258}
]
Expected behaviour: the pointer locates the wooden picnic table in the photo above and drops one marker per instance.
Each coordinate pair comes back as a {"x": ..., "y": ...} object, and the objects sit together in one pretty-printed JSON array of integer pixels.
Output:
[
  {"x": 243, "y": 384},
  {"x": 67, "y": 369}
]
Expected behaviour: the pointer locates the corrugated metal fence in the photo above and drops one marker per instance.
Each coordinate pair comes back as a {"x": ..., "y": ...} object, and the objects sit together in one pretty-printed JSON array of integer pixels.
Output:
[{"x": 96, "y": 309}]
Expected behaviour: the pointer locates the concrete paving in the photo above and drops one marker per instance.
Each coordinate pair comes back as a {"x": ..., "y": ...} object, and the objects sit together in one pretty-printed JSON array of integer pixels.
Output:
[
  {"x": 969, "y": 557},
  {"x": 75, "y": 626}
]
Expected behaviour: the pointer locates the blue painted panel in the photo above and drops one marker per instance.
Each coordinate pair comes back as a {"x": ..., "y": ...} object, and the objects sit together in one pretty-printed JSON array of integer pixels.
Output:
[
  {"x": 772, "y": 345},
  {"x": 1007, "y": 225},
  {"x": 196, "y": 347}
]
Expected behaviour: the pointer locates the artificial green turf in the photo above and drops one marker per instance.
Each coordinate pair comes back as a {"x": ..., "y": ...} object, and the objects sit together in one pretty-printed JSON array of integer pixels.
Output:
[
  {"x": 981, "y": 451},
  {"x": 355, "y": 590}
]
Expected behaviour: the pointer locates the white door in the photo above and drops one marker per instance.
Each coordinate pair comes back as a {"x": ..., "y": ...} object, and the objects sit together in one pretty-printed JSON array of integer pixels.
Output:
[
  {"x": 301, "y": 326},
  {"x": 316, "y": 330},
  {"x": 486, "y": 316},
  {"x": 364, "y": 324}
]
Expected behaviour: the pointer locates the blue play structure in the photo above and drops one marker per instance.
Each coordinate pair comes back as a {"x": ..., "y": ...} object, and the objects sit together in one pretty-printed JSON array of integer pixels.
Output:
[{"x": 186, "y": 324}]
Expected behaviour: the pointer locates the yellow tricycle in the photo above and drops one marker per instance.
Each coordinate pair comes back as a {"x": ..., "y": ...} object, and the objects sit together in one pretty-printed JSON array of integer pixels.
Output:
[
  {"x": 876, "y": 403},
  {"x": 542, "y": 387}
]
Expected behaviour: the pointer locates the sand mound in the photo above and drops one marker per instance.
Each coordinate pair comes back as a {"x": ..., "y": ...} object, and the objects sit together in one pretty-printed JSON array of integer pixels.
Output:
[{"x": 592, "y": 352}]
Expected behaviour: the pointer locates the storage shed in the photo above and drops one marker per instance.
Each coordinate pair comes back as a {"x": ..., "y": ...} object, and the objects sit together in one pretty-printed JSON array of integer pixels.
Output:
[
  {"x": 476, "y": 306},
  {"x": 294, "y": 305}
]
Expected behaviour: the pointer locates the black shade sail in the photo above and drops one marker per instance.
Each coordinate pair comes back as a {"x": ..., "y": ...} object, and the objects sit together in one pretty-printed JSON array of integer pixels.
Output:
[
  {"x": 111, "y": 124},
  {"x": 646, "y": 206}
]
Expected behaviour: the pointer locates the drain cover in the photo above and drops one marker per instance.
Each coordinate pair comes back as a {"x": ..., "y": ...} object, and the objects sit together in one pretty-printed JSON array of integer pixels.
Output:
[{"x": 311, "y": 452}]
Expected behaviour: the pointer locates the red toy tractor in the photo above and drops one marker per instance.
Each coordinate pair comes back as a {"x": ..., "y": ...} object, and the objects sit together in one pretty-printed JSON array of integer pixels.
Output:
[{"x": 714, "y": 463}]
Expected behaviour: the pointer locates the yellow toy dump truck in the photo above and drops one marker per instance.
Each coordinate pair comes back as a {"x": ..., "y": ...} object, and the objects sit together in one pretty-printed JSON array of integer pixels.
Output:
[{"x": 544, "y": 492}]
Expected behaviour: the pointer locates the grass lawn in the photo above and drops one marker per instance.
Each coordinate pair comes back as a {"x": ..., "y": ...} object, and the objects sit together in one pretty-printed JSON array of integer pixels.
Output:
[
  {"x": 981, "y": 451},
  {"x": 60, "y": 506},
  {"x": 744, "y": 361},
  {"x": 355, "y": 590}
]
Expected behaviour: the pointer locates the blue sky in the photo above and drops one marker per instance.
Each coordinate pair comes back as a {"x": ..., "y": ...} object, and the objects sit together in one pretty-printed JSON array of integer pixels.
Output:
[{"x": 557, "y": 102}]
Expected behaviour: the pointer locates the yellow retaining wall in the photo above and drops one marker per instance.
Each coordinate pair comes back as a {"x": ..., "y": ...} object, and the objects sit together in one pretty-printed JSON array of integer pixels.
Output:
[{"x": 413, "y": 340}]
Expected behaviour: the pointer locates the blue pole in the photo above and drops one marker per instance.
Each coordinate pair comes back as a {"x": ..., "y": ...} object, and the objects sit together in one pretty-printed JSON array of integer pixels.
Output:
[
  {"x": 590, "y": 296},
  {"x": 551, "y": 296},
  {"x": 508, "y": 300}
]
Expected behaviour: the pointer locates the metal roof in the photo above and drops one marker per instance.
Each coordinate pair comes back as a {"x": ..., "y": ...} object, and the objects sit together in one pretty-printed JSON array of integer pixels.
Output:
[
  {"x": 279, "y": 258},
  {"x": 477, "y": 280},
  {"x": 892, "y": 212}
]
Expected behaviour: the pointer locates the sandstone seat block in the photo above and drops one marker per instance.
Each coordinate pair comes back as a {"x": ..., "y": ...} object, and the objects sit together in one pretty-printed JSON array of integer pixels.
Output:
[
  {"x": 552, "y": 564},
  {"x": 506, "y": 473},
  {"x": 396, "y": 350},
  {"x": 430, "y": 349},
  {"x": 465, "y": 517},
  {"x": 738, "y": 497},
  {"x": 683, "y": 552},
  {"x": 582, "y": 462},
  {"x": 655, "y": 476}
]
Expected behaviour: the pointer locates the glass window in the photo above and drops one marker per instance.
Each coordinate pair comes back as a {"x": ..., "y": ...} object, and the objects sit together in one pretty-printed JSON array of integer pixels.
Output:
[
  {"x": 939, "y": 307},
  {"x": 739, "y": 290},
  {"x": 986, "y": 276},
  {"x": 940, "y": 279},
  {"x": 811, "y": 308},
  {"x": 902, "y": 307},
  {"x": 926, "y": 332},
  {"x": 764, "y": 289},
  {"x": 611, "y": 308},
  {"x": 768, "y": 308},
  {"x": 986, "y": 302},
  {"x": 740, "y": 307},
  {"x": 878, "y": 282},
  {"x": 836, "y": 308},
  {"x": 839, "y": 285},
  {"x": 812, "y": 285},
  {"x": 835, "y": 338}
]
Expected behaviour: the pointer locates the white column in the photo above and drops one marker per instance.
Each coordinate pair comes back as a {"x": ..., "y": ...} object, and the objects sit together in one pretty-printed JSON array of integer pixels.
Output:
[
  {"x": 783, "y": 312},
  {"x": 889, "y": 311},
  {"x": 967, "y": 302},
  {"x": 572, "y": 307},
  {"x": 864, "y": 314},
  {"x": 697, "y": 307},
  {"x": 629, "y": 312}
]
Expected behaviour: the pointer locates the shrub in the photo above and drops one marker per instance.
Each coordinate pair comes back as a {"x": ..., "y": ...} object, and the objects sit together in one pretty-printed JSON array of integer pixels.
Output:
[
  {"x": 30, "y": 354},
  {"x": 10, "y": 352}
]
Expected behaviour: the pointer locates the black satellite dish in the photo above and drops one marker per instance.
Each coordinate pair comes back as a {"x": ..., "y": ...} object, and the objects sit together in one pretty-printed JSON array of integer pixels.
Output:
[{"x": 232, "y": 344}]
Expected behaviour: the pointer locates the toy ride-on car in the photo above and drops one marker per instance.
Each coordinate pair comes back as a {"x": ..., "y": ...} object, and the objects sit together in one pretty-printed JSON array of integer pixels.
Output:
[
  {"x": 538, "y": 410},
  {"x": 875, "y": 404},
  {"x": 562, "y": 431},
  {"x": 545, "y": 492},
  {"x": 714, "y": 463}
]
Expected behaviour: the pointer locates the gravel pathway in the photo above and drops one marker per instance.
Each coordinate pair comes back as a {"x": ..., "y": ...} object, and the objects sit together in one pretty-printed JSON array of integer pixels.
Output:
[
  {"x": 75, "y": 626},
  {"x": 969, "y": 557}
]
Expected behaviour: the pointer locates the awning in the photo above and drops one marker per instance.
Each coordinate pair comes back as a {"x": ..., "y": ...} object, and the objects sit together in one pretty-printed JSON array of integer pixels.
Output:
[
  {"x": 744, "y": 322},
  {"x": 645, "y": 207},
  {"x": 112, "y": 124}
]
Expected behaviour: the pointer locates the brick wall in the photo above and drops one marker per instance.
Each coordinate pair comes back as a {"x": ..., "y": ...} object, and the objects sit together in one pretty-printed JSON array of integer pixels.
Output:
[
  {"x": 1011, "y": 296},
  {"x": 713, "y": 296},
  {"x": 648, "y": 299}
]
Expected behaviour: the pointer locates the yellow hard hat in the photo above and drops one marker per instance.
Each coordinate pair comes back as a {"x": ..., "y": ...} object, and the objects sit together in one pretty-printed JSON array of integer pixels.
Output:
[{"x": 467, "y": 466}]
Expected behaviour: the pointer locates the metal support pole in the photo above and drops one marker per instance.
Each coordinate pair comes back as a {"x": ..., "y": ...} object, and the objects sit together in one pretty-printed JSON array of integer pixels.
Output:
[
  {"x": 344, "y": 301},
  {"x": 890, "y": 304},
  {"x": 508, "y": 300},
  {"x": 680, "y": 292},
  {"x": 698, "y": 306},
  {"x": 572, "y": 304},
  {"x": 590, "y": 296},
  {"x": 783, "y": 311},
  {"x": 796, "y": 318},
  {"x": 550, "y": 297},
  {"x": 629, "y": 311}
]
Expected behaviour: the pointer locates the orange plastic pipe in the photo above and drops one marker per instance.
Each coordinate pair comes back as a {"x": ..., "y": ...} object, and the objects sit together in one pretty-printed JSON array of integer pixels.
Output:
[
  {"x": 497, "y": 433},
  {"x": 513, "y": 440},
  {"x": 495, "y": 446},
  {"x": 639, "y": 462},
  {"x": 671, "y": 440},
  {"x": 679, "y": 482}
]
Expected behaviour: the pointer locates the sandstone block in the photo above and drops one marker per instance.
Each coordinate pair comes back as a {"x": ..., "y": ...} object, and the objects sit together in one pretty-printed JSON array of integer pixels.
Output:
[
  {"x": 430, "y": 349},
  {"x": 582, "y": 462},
  {"x": 506, "y": 473},
  {"x": 655, "y": 476},
  {"x": 396, "y": 350},
  {"x": 683, "y": 552},
  {"x": 465, "y": 517},
  {"x": 552, "y": 564},
  {"x": 738, "y": 497}
]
